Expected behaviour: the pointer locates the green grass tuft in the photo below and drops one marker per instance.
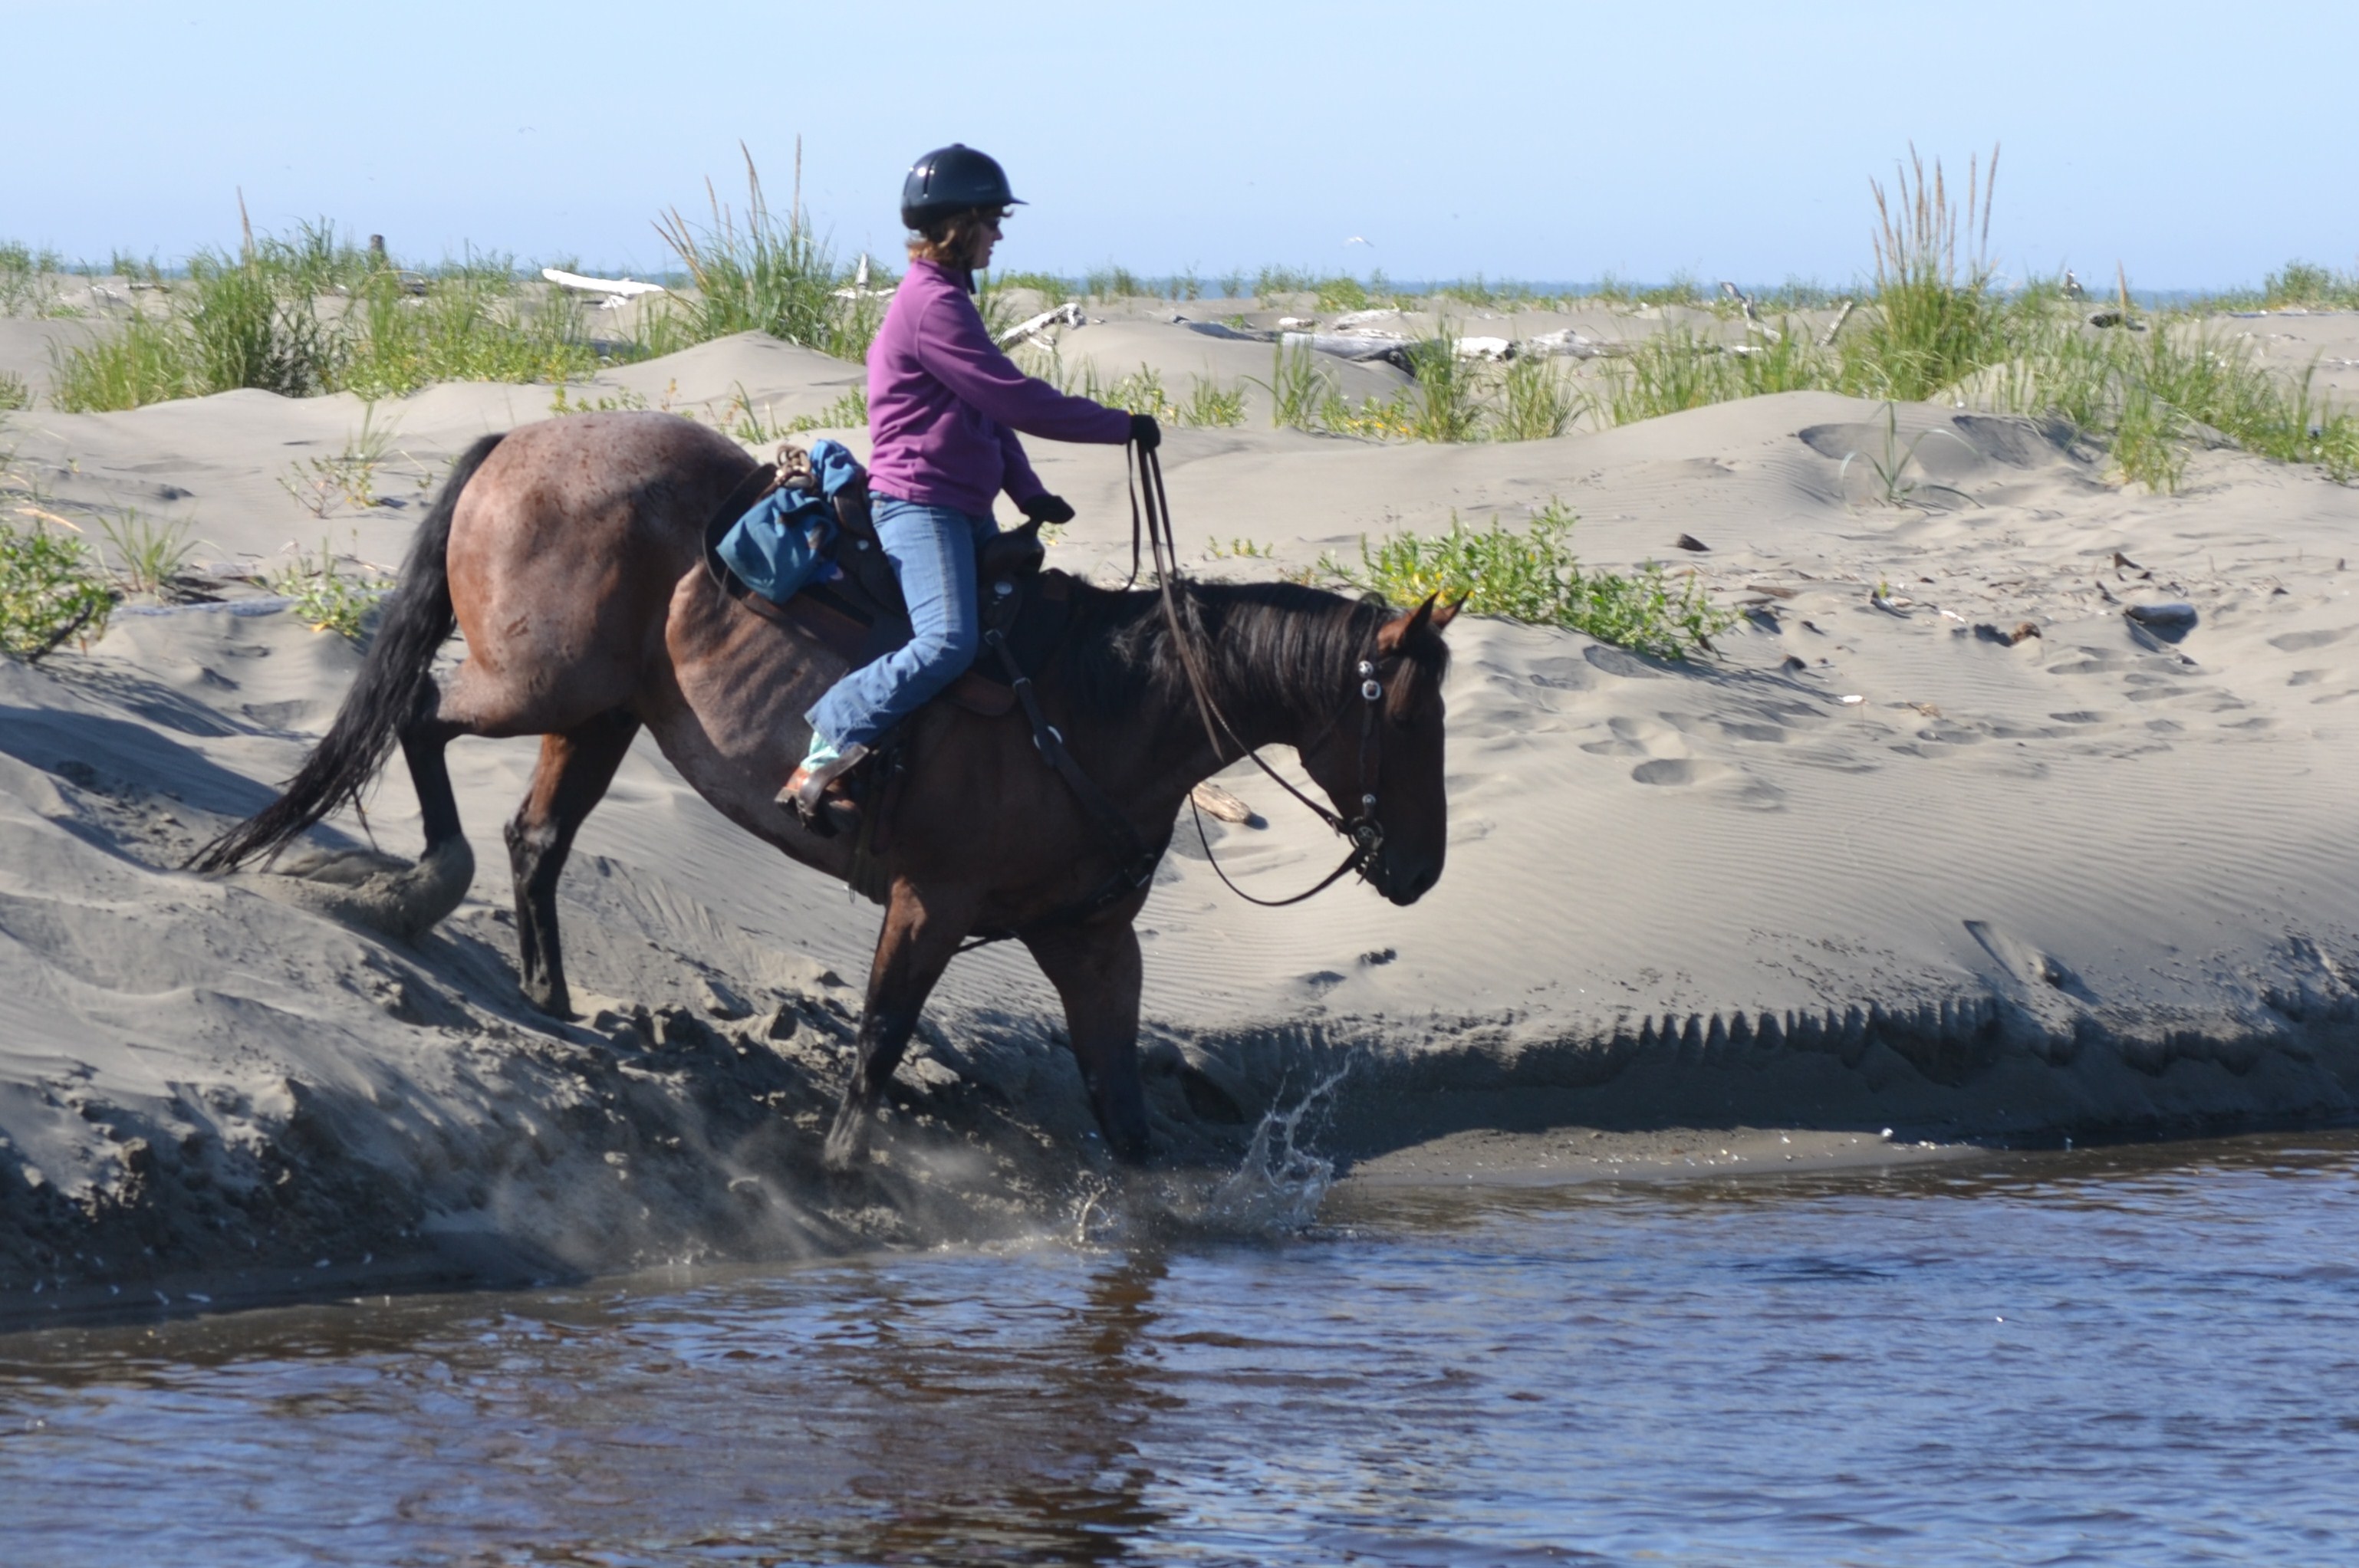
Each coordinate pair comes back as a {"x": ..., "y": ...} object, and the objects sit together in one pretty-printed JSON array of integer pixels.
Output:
[
  {"x": 1532, "y": 576},
  {"x": 149, "y": 556},
  {"x": 764, "y": 275}
]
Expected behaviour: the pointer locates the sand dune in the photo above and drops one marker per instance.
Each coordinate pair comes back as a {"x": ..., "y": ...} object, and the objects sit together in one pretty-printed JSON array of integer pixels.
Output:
[{"x": 1886, "y": 862}]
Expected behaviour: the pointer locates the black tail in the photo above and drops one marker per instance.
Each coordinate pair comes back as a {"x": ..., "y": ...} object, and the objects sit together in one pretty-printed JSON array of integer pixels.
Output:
[{"x": 394, "y": 686}]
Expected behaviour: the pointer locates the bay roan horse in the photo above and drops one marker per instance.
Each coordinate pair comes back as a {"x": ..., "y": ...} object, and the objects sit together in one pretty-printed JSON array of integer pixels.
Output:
[{"x": 569, "y": 554}]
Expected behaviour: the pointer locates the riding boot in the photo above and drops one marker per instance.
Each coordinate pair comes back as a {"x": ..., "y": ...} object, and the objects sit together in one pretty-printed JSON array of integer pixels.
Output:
[{"x": 817, "y": 791}]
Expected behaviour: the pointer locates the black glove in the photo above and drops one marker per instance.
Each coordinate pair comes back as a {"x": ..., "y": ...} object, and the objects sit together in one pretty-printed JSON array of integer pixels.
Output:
[
  {"x": 1047, "y": 508},
  {"x": 1145, "y": 433}
]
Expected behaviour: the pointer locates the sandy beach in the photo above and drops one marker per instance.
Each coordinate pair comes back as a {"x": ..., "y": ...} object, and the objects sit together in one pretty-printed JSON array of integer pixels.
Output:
[{"x": 1957, "y": 836}]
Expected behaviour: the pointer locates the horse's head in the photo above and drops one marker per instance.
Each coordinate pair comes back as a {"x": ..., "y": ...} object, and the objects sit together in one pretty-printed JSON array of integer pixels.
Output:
[{"x": 1399, "y": 758}]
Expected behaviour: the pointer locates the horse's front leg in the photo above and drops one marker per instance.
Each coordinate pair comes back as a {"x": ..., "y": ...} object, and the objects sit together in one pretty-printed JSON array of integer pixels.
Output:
[
  {"x": 1096, "y": 971},
  {"x": 921, "y": 935}
]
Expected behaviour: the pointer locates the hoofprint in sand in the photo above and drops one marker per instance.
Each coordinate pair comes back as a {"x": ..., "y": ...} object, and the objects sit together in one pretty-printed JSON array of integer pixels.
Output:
[{"x": 1890, "y": 861}]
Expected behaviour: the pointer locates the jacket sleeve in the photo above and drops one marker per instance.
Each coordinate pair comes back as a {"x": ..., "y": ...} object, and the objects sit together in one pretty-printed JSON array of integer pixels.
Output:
[
  {"x": 955, "y": 350},
  {"x": 1019, "y": 479}
]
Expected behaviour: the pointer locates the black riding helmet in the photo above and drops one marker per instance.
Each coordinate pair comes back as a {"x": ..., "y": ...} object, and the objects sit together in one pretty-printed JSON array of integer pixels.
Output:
[{"x": 951, "y": 179}]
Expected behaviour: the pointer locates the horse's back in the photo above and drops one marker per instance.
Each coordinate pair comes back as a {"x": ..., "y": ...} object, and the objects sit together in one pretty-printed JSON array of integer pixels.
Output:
[{"x": 564, "y": 552}]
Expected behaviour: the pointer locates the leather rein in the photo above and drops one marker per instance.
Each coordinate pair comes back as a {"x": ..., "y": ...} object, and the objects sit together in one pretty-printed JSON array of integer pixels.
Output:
[{"x": 1150, "y": 520}]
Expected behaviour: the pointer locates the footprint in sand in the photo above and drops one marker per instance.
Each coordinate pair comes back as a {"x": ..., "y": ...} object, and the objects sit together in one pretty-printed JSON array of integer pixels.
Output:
[
  {"x": 1733, "y": 785},
  {"x": 1682, "y": 771},
  {"x": 2300, "y": 642},
  {"x": 1634, "y": 738}
]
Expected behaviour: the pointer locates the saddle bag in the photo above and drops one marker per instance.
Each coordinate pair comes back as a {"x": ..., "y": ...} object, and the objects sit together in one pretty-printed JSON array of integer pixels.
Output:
[{"x": 789, "y": 537}]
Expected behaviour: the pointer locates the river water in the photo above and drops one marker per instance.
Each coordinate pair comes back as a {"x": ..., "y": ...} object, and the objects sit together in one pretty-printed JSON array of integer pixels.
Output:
[{"x": 2136, "y": 1355}]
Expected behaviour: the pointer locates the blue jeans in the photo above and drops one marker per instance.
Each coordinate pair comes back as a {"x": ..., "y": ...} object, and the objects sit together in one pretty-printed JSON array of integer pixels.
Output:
[{"x": 932, "y": 551}]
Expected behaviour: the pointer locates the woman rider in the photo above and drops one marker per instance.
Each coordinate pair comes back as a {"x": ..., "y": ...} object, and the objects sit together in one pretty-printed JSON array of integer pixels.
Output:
[{"x": 944, "y": 405}]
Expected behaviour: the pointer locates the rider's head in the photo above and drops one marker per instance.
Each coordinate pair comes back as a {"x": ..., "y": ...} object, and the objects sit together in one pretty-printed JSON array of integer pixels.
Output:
[{"x": 951, "y": 204}]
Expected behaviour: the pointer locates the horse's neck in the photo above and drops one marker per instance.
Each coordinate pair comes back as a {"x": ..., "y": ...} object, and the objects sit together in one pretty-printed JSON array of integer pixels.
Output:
[{"x": 1239, "y": 725}]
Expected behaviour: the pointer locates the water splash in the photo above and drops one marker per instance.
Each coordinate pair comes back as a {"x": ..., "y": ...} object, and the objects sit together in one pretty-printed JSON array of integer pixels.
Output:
[{"x": 1274, "y": 1191}]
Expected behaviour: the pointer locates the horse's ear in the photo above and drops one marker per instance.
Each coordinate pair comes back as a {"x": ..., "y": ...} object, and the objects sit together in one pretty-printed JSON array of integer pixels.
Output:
[
  {"x": 1449, "y": 612},
  {"x": 1403, "y": 630}
]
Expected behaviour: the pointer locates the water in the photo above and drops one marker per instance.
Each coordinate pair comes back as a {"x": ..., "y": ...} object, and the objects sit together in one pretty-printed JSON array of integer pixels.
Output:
[{"x": 2142, "y": 1355}]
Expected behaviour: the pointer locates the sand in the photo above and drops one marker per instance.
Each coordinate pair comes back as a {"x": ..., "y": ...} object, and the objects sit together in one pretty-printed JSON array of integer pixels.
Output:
[{"x": 1881, "y": 864}]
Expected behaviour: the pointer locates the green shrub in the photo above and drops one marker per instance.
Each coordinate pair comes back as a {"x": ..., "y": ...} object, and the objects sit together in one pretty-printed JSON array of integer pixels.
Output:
[
  {"x": 13, "y": 392},
  {"x": 51, "y": 588},
  {"x": 1532, "y": 576},
  {"x": 327, "y": 599}
]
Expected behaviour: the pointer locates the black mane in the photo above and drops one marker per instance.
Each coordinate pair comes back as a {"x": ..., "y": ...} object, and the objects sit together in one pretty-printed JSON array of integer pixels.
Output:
[{"x": 1266, "y": 647}]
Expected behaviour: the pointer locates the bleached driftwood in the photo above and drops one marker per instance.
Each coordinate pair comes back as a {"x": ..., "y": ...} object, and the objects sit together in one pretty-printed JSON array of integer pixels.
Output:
[
  {"x": 1569, "y": 343},
  {"x": 1483, "y": 348},
  {"x": 1216, "y": 802},
  {"x": 1827, "y": 341},
  {"x": 1751, "y": 312},
  {"x": 1069, "y": 314},
  {"x": 1353, "y": 347},
  {"x": 619, "y": 291},
  {"x": 859, "y": 288}
]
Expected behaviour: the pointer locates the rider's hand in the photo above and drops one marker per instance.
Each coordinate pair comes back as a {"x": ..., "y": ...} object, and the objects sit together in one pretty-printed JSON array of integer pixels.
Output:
[
  {"x": 1047, "y": 508},
  {"x": 1145, "y": 433}
]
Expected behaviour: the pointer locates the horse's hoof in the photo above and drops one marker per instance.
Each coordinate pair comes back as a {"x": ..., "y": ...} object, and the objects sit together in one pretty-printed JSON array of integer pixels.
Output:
[{"x": 846, "y": 1149}]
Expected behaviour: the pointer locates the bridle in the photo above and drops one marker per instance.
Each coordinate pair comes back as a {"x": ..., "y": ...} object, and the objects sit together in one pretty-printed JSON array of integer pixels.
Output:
[{"x": 1150, "y": 520}]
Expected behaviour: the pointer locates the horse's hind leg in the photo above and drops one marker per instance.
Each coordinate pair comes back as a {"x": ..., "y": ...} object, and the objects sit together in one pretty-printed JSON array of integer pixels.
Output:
[
  {"x": 576, "y": 766},
  {"x": 922, "y": 936},
  {"x": 412, "y": 901}
]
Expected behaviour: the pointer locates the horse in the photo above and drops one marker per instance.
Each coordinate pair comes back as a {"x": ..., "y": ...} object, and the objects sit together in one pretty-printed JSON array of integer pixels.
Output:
[{"x": 569, "y": 555}]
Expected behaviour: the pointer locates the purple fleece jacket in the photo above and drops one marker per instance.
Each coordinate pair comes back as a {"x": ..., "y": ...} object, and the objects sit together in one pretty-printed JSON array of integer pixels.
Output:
[{"x": 944, "y": 403}]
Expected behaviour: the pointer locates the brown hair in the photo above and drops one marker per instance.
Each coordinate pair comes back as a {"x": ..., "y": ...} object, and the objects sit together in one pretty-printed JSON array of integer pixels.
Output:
[{"x": 949, "y": 241}]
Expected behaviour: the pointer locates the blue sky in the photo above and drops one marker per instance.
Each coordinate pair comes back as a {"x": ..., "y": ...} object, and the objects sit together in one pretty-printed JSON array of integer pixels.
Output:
[{"x": 1541, "y": 141}]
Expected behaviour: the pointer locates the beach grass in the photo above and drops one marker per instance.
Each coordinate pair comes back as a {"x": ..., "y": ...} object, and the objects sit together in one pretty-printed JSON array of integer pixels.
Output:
[
  {"x": 2307, "y": 286},
  {"x": 761, "y": 273},
  {"x": 149, "y": 554},
  {"x": 309, "y": 314},
  {"x": 1532, "y": 576},
  {"x": 1445, "y": 403},
  {"x": 26, "y": 272},
  {"x": 1537, "y": 402},
  {"x": 1210, "y": 403}
]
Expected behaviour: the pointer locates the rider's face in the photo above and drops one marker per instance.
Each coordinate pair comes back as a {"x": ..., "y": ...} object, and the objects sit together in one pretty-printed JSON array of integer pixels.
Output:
[{"x": 985, "y": 237}]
